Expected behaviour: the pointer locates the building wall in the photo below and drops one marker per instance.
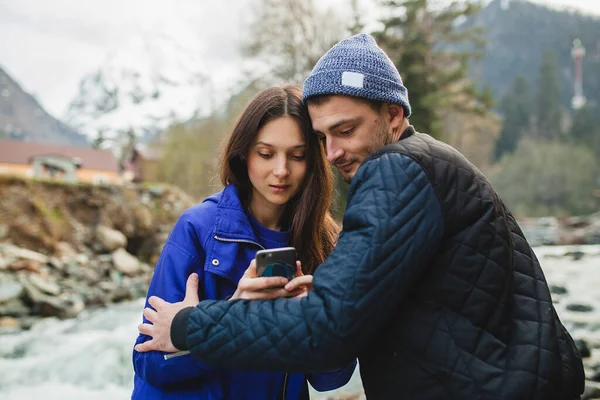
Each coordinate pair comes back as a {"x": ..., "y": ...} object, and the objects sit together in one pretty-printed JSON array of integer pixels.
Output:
[
  {"x": 149, "y": 170},
  {"x": 83, "y": 175}
]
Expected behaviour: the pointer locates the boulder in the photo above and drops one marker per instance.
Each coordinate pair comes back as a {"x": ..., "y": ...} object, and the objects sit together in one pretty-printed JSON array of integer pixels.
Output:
[
  {"x": 110, "y": 239},
  {"x": 48, "y": 286},
  {"x": 592, "y": 390},
  {"x": 9, "y": 291},
  {"x": 14, "y": 252},
  {"x": 26, "y": 265},
  {"x": 583, "y": 348},
  {"x": 65, "y": 250},
  {"x": 61, "y": 307},
  {"x": 125, "y": 262},
  {"x": 14, "y": 308}
]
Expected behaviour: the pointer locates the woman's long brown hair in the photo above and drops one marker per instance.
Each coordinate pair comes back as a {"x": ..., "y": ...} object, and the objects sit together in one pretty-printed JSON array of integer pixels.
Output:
[{"x": 313, "y": 231}]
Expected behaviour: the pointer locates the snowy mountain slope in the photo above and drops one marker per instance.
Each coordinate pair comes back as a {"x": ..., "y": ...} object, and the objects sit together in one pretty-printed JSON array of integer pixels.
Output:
[{"x": 145, "y": 86}]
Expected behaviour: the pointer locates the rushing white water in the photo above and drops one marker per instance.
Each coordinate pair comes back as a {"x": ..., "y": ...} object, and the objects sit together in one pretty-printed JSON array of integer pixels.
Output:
[
  {"x": 84, "y": 358},
  {"x": 90, "y": 357}
]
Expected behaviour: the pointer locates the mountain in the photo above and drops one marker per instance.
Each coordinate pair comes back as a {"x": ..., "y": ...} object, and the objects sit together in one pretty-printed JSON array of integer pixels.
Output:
[
  {"x": 518, "y": 33},
  {"x": 23, "y": 118},
  {"x": 146, "y": 85}
]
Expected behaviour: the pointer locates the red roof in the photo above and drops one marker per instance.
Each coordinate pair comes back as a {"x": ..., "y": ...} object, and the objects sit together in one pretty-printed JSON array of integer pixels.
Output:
[{"x": 16, "y": 152}]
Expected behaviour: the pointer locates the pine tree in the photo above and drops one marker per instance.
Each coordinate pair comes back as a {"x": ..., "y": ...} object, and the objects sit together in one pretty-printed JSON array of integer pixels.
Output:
[
  {"x": 585, "y": 129},
  {"x": 548, "y": 111},
  {"x": 433, "y": 56},
  {"x": 516, "y": 108}
]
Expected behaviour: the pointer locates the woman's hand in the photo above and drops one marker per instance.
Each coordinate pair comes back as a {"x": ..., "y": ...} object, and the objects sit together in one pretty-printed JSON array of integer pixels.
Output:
[{"x": 252, "y": 287}]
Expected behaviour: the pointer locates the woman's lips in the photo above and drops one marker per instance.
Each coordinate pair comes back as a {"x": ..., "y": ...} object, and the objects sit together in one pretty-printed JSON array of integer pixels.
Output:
[{"x": 279, "y": 188}]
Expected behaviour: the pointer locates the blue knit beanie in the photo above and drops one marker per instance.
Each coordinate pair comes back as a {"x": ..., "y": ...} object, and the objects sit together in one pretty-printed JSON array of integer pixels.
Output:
[{"x": 357, "y": 67}]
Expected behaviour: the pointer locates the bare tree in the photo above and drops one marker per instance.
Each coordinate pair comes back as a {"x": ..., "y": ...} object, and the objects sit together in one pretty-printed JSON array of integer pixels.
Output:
[{"x": 290, "y": 36}]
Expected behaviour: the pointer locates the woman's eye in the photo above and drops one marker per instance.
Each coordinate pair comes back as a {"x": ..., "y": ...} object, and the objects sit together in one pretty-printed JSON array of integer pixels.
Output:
[
  {"x": 265, "y": 155},
  {"x": 298, "y": 157}
]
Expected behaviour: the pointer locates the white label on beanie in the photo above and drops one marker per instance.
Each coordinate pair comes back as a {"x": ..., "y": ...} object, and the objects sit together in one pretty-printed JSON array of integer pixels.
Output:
[{"x": 353, "y": 79}]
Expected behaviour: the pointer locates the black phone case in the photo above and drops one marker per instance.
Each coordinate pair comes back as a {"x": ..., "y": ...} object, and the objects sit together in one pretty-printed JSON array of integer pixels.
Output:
[{"x": 276, "y": 262}]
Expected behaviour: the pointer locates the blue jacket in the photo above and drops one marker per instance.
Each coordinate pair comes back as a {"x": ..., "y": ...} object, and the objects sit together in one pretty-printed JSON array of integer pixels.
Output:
[{"x": 215, "y": 240}]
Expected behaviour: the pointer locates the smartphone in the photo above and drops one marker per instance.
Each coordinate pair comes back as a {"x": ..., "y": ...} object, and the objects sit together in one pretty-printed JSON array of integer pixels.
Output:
[{"x": 276, "y": 262}]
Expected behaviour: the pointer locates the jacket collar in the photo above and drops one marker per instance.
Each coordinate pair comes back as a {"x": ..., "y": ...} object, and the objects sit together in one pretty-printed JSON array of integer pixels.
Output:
[
  {"x": 231, "y": 220},
  {"x": 408, "y": 132}
]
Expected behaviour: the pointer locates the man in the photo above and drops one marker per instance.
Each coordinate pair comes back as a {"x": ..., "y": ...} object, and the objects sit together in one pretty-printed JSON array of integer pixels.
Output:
[{"x": 432, "y": 284}]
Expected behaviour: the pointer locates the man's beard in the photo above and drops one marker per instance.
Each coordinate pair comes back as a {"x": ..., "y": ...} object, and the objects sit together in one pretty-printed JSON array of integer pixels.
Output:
[{"x": 381, "y": 136}]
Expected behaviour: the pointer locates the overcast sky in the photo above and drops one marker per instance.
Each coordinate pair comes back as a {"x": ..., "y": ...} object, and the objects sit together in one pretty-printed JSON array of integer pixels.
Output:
[{"x": 47, "y": 46}]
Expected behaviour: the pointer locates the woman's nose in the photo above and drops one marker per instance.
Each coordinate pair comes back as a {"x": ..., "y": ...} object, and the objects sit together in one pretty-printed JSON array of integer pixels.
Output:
[{"x": 281, "y": 169}]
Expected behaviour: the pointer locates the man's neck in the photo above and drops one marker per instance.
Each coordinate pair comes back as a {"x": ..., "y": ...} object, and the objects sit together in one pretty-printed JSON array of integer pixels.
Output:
[{"x": 396, "y": 135}]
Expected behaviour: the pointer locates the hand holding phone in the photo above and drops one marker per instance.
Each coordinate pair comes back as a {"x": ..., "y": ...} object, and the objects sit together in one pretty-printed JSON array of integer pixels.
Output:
[{"x": 268, "y": 274}]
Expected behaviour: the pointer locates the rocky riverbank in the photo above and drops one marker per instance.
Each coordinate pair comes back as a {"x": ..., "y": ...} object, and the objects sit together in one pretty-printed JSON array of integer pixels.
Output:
[
  {"x": 578, "y": 230},
  {"x": 67, "y": 247}
]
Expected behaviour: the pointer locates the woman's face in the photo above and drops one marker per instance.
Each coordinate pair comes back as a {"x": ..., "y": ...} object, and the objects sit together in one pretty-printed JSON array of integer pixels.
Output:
[{"x": 277, "y": 162}]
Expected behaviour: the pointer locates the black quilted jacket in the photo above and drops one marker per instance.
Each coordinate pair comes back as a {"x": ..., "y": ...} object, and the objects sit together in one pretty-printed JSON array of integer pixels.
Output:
[{"x": 432, "y": 285}]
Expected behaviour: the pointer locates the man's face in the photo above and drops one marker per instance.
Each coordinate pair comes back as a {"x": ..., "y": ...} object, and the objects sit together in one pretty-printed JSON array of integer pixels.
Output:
[{"x": 351, "y": 130}]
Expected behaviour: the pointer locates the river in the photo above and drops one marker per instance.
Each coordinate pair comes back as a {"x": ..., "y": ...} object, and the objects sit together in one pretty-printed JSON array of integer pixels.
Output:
[{"x": 90, "y": 357}]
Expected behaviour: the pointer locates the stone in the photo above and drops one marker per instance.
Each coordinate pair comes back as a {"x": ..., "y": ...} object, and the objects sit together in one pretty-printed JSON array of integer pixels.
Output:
[
  {"x": 82, "y": 259},
  {"x": 9, "y": 325},
  {"x": 144, "y": 221},
  {"x": 95, "y": 296},
  {"x": 126, "y": 263},
  {"x": 55, "y": 262},
  {"x": 62, "y": 307},
  {"x": 121, "y": 293},
  {"x": 9, "y": 291},
  {"x": 3, "y": 231},
  {"x": 156, "y": 190},
  {"x": 13, "y": 251},
  {"x": 579, "y": 307},
  {"x": 4, "y": 263},
  {"x": 592, "y": 390},
  {"x": 48, "y": 286},
  {"x": 90, "y": 276},
  {"x": 26, "y": 265},
  {"x": 64, "y": 250},
  {"x": 28, "y": 321},
  {"x": 556, "y": 289},
  {"x": 106, "y": 286},
  {"x": 110, "y": 239},
  {"x": 583, "y": 348},
  {"x": 14, "y": 308},
  {"x": 8, "y": 322}
]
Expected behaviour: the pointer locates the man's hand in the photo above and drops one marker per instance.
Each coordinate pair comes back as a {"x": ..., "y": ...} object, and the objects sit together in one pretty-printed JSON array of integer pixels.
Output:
[
  {"x": 301, "y": 284},
  {"x": 161, "y": 316}
]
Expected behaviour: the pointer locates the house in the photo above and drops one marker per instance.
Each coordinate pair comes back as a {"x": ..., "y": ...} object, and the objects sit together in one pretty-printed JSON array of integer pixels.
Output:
[
  {"x": 65, "y": 163},
  {"x": 142, "y": 164}
]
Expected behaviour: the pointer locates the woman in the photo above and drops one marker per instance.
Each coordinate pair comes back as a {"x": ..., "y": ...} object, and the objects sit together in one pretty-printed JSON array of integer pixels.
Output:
[{"x": 277, "y": 193}]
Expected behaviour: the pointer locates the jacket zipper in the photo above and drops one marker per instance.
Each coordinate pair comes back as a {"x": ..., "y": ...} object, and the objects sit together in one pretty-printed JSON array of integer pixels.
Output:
[
  {"x": 237, "y": 241},
  {"x": 285, "y": 378},
  {"x": 285, "y": 383}
]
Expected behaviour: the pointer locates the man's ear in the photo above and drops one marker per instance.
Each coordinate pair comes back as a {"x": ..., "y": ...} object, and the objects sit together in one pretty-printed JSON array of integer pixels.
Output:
[{"x": 396, "y": 116}]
